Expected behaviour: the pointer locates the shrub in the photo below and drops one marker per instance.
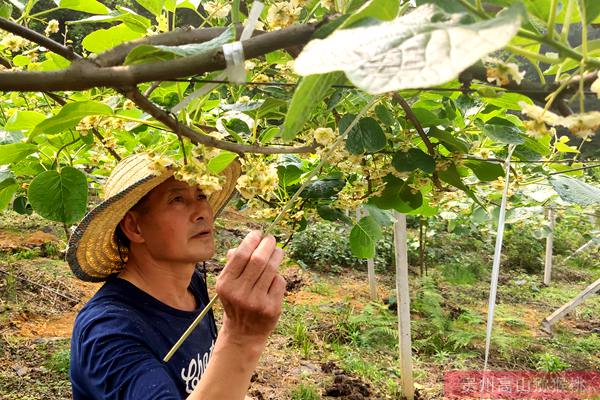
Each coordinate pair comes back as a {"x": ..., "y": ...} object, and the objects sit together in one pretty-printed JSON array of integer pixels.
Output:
[
  {"x": 522, "y": 249},
  {"x": 326, "y": 246}
]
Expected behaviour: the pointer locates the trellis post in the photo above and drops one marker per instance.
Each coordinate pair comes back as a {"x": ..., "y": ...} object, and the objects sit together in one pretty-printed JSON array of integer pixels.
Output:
[
  {"x": 403, "y": 304},
  {"x": 549, "y": 243},
  {"x": 370, "y": 263}
]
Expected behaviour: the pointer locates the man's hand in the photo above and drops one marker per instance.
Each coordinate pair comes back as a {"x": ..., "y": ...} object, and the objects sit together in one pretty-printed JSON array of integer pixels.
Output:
[{"x": 251, "y": 290}]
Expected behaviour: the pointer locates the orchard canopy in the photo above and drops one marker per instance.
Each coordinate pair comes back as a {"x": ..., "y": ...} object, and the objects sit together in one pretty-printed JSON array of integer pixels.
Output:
[{"x": 381, "y": 104}]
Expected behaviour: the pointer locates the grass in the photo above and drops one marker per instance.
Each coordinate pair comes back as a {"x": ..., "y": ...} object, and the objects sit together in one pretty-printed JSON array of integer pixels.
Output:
[{"x": 305, "y": 391}]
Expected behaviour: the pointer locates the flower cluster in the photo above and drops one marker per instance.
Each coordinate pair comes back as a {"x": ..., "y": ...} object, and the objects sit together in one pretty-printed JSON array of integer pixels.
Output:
[
  {"x": 582, "y": 125},
  {"x": 215, "y": 9},
  {"x": 283, "y": 13},
  {"x": 194, "y": 173},
  {"x": 52, "y": 27},
  {"x": 259, "y": 179},
  {"x": 324, "y": 136},
  {"x": 13, "y": 42},
  {"x": 502, "y": 73},
  {"x": 97, "y": 121}
]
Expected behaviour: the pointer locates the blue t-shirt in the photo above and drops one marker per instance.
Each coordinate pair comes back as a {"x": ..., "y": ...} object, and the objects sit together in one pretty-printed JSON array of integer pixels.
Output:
[{"x": 121, "y": 336}]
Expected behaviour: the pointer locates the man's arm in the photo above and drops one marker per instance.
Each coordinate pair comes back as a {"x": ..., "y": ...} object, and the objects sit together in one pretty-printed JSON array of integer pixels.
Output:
[{"x": 251, "y": 291}]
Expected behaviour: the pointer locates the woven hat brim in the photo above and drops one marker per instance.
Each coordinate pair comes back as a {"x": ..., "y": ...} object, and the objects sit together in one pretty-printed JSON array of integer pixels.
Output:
[{"x": 93, "y": 253}]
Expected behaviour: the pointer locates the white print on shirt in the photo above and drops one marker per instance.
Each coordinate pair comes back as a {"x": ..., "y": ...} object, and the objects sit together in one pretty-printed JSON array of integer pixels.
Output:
[{"x": 195, "y": 369}]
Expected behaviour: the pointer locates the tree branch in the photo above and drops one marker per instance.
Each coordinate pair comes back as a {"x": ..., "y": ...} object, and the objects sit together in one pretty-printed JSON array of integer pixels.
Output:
[
  {"x": 38, "y": 38},
  {"x": 85, "y": 75},
  {"x": 413, "y": 118},
  {"x": 180, "y": 129}
]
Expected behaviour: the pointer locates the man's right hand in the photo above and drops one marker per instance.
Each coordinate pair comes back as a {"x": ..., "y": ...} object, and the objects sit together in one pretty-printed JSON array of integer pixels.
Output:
[{"x": 251, "y": 290}]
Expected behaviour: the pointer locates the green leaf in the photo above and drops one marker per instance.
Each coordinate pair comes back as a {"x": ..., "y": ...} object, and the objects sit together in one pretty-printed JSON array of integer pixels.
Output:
[
  {"x": 6, "y": 195},
  {"x": 21, "y": 60},
  {"x": 333, "y": 214},
  {"x": 384, "y": 115},
  {"x": 427, "y": 118},
  {"x": 310, "y": 92},
  {"x": 323, "y": 189},
  {"x": 59, "y": 196},
  {"x": 565, "y": 148},
  {"x": 54, "y": 62},
  {"x": 383, "y": 10},
  {"x": 15, "y": 152},
  {"x": 503, "y": 134},
  {"x": 24, "y": 120},
  {"x": 365, "y": 136},
  {"x": 104, "y": 39},
  {"x": 438, "y": 45},
  {"x": 6, "y": 178},
  {"x": 413, "y": 159},
  {"x": 70, "y": 115},
  {"x": 485, "y": 171},
  {"x": 5, "y": 10},
  {"x": 217, "y": 164},
  {"x": 449, "y": 141},
  {"x": 452, "y": 177},
  {"x": 154, "y": 53},
  {"x": 364, "y": 236},
  {"x": 22, "y": 206},
  {"x": 7, "y": 137},
  {"x": 154, "y": 6},
  {"x": 397, "y": 195},
  {"x": 129, "y": 17},
  {"x": 87, "y": 6},
  {"x": 383, "y": 217},
  {"x": 575, "y": 191}
]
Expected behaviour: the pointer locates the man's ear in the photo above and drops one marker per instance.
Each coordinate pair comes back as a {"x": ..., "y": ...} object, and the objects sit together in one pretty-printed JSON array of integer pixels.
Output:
[{"x": 131, "y": 229}]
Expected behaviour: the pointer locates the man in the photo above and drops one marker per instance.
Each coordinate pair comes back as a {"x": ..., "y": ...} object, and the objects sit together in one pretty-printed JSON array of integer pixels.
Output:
[{"x": 145, "y": 240}]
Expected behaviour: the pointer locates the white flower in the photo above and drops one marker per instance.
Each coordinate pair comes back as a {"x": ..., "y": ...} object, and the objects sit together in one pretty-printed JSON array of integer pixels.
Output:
[
  {"x": 214, "y": 9},
  {"x": 52, "y": 27}
]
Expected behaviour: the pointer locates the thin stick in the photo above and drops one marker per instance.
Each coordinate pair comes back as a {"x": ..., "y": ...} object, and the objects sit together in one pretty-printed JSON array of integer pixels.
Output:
[
  {"x": 190, "y": 329},
  {"x": 286, "y": 207}
]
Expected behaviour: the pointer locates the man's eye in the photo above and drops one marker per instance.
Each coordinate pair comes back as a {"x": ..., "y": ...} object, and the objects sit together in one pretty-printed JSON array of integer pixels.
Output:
[
  {"x": 202, "y": 197},
  {"x": 177, "y": 199}
]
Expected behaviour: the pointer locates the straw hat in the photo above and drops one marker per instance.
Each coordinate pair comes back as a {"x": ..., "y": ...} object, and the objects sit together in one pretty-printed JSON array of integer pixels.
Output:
[{"x": 93, "y": 253}]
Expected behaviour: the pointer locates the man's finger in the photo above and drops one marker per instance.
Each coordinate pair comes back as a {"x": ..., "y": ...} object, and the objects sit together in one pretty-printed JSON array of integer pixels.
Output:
[
  {"x": 258, "y": 261},
  {"x": 266, "y": 278},
  {"x": 239, "y": 258}
]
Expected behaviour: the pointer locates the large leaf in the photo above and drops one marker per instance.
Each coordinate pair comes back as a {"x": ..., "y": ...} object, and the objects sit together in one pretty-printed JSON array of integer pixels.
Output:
[
  {"x": 59, "y": 196},
  {"x": 484, "y": 170},
  {"x": 365, "y": 136},
  {"x": 88, "y": 6},
  {"x": 398, "y": 195},
  {"x": 70, "y": 115},
  {"x": 309, "y": 93},
  {"x": 505, "y": 134},
  {"x": 575, "y": 191},
  {"x": 449, "y": 141},
  {"x": 154, "y": 6},
  {"x": 129, "y": 17},
  {"x": 424, "y": 48},
  {"x": 104, "y": 39},
  {"x": 217, "y": 164},
  {"x": 7, "y": 137},
  {"x": 6, "y": 195},
  {"x": 323, "y": 189},
  {"x": 452, "y": 177},
  {"x": 333, "y": 214},
  {"x": 406, "y": 161},
  {"x": 6, "y": 177},
  {"x": 364, "y": 237},
  {"x": 15, "y": 151},
  {"x": 24, "y": 120},
  {"x": 383, "y": 10},
  {"x": 148, "y": 53}
]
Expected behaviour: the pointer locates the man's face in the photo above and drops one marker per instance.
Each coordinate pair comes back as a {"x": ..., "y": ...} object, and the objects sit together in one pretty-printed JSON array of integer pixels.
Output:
[{"x": 176, "y": 223}]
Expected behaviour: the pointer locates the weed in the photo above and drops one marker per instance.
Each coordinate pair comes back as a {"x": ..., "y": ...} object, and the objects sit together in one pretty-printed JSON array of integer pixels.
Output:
[
  {"x": 305, "y": 392},
  {"x": 59, "y": 361},
  {"x": 321, "y": 288},
  {"x": 550, "y": 363}
]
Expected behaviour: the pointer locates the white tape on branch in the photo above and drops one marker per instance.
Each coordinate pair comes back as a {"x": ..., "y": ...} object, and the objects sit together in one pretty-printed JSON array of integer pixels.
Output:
[
  {"x": 234, "y": 57},
  {"x": 255, "y": 11},
  {"x": 496, "y": 263}
]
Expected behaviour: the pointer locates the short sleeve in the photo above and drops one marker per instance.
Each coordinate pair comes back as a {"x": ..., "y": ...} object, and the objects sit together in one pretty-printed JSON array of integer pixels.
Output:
[{"x": 113, "y": 362}]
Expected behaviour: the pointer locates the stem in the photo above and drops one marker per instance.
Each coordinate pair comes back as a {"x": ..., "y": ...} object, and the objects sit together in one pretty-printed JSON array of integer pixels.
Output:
[
  {"x": 575, "y": 169},
  {"x": 532, "y": 55},
  {"x": 48, "y": 11},
  {"x": 552, "y": 18}
]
